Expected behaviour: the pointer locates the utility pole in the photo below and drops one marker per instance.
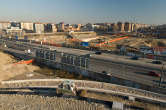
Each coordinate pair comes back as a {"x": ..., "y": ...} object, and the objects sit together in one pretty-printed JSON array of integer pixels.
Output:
[
  {"x": 85, "y": 63},
  {"x": 80, "y": 62},
  {"x": 124, "y": 68},
  {"x": 162, "y": 73}
]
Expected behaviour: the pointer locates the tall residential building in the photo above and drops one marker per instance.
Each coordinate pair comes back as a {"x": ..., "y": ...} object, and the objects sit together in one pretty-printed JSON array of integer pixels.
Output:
[
  {"x": 127, "y": 27},
  {"x": 39, "y": 28},
  {"x": 48, "y": 27},
  {"x": 135, "y": 28},
  {"x": 120, "y": 26},
  {"x": 27, "y": 26},
  {"x": 61, "y": 27},
  {"x": 4, "y": 25},
  {"x": 54, "y": 28},
  {"x": 114, "y": 27}
]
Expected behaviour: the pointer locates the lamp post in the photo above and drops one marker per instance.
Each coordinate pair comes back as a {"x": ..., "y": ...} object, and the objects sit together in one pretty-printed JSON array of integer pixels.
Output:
[{"x": 162, "y": 73}]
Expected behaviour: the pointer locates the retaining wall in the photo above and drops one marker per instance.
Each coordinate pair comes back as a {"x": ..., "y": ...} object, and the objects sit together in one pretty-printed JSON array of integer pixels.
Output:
[{"x": 94, "y": 75}]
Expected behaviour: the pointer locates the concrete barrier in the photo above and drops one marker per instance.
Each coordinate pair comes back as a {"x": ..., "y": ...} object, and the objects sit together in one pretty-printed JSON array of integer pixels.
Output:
[{"x": 89, "y": 85}]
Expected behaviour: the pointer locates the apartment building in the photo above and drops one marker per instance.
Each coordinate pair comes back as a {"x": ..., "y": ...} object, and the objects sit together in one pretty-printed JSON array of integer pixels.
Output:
[
  {"x": 27, "y": 26},
  {"x": 4, "y": 25},
  {"x": 38, "y": 28}
]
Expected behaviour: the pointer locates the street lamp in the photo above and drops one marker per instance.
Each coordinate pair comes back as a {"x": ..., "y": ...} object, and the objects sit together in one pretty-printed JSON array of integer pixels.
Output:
[{"x": 162, "y": 73}]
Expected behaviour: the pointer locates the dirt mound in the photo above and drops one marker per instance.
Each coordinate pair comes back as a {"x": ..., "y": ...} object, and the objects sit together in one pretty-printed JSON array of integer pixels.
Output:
[{"x": 9, "y": 70}]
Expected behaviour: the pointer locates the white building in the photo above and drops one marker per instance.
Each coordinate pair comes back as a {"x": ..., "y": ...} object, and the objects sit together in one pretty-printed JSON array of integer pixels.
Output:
[
  {"x": 54, "y": 28},
  {"x": 14, "y": 30},
  {"x": 39, "y": 28},
  {"x": 27, "y": 26},
  {"x": 4, "y": 25}
]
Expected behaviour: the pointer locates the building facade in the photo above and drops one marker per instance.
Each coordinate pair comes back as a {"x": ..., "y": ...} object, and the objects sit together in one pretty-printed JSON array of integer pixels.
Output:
[
  {"x": 127, "y": 27},
  {"x": 48, "y": 28},
  {"x": 120, "y": 26},
  {"x": 4, "y": 25},
  {"x": 54, "y": 28},
  {"x": 61, "y": 27},
  {"x": 27, "y": 26},
  {"x": 38, "y": 28}
]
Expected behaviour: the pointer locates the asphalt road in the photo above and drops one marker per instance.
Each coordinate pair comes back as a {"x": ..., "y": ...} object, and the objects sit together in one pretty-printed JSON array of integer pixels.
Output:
[
  {"x": 125, "y": 71},
  {"x": 119, "y": 66}
]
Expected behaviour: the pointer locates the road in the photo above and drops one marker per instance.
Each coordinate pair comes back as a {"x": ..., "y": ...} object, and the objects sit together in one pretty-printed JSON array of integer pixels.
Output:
[
  {"x": 120, "y": 70},
  {"x": 119, "y": 66},
  {"x": 124, "y": 71}
]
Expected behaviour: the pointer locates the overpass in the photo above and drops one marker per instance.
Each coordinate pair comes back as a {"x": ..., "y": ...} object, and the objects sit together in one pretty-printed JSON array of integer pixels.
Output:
[{"x": 85, "y": 85}]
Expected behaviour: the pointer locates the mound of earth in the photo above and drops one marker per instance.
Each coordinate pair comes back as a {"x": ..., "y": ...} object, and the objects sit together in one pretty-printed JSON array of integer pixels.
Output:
[{"x": 8, "y": 69}]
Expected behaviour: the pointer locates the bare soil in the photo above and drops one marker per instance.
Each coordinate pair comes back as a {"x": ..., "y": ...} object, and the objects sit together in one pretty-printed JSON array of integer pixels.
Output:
[{"x": 8, "y": 69}]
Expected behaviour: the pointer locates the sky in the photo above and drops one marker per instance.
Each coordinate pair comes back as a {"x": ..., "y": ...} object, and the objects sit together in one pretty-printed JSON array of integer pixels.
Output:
[{"x": 84, "y": 11}]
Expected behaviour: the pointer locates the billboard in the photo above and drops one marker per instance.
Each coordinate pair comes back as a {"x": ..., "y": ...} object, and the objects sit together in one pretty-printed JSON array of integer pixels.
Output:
[{"x": 85, "y": 44}]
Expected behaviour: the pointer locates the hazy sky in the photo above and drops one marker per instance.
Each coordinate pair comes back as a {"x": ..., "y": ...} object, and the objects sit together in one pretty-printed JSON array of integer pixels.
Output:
[{"x": 84, "y": 11}]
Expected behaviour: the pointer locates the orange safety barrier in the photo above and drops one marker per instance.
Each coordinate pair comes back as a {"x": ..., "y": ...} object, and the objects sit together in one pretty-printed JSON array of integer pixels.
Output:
[
  {"x": 114, "y": 40},
  {"x": 24, "y": 62},
  {"x": 47, "y": 43}
]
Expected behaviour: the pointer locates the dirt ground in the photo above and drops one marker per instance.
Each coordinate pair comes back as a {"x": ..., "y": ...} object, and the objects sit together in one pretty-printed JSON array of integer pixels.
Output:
[
  {"x": 135, "y": 42},
  {"x": 8, "y": 69}
]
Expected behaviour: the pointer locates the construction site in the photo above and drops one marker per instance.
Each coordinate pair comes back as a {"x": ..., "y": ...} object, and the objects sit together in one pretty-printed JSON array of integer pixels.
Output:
[
  {"x": 102, "y": 41},
  {"x": 26, "y": 80},
  {"x": 82, "y": 55}
]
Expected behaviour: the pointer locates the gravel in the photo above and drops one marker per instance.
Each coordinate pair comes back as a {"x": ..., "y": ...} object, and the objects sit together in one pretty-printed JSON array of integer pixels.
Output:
[{"x": 35, "y": 102}]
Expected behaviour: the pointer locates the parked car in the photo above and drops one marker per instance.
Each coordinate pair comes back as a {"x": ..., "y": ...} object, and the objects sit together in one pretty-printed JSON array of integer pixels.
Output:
[
  {"x": 135, "y": 58},
  {"x": 98, "y": 52},
  {"x": 152, "y": 73},
  {"x": 156, "y": 62}
]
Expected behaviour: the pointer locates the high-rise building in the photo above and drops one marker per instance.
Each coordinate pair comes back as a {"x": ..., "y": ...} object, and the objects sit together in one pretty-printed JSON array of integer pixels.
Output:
[
  {"x": 127, "y": 27},
  {"x": 48, "y": 27},
  {"x": 4, "y": 25},
  {"x": 114, "y": 27},
  {"x": 120, "y": 26},
  {"x": 61, "y": 27},
  {"x": 39, "y": 28},
  {"x": 27, "y": 26},
  {"x": 54, "y": 28}
]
